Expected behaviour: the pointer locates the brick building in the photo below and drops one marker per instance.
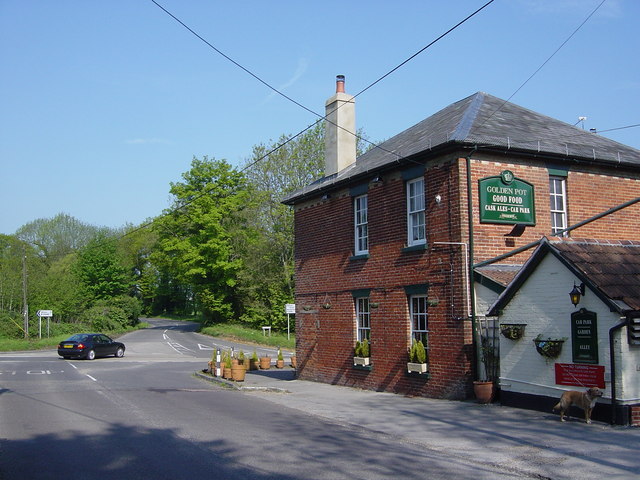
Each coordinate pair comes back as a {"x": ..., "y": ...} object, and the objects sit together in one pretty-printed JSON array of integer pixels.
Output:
[{"x": 416, "y": 238}]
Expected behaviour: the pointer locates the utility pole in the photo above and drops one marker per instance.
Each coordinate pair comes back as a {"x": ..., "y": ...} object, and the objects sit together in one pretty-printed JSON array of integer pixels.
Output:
[{"x": 25, "y": 307}]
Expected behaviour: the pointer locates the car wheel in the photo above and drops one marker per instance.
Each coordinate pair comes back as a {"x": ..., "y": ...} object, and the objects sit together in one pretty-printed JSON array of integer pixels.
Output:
[
  {"x": 120, "y": 352},
  {"x": 91, "y": 354},
  {"x": 66, "y": 357}
]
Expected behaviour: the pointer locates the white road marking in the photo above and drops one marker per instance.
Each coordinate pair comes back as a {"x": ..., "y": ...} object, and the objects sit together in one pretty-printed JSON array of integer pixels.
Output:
[
  {"x": 92, "y": 378},
  {"x": 205, "y": 347}
]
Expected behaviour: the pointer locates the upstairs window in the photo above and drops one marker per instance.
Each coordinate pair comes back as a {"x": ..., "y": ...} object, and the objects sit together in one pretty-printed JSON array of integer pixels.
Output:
[
  {"x": 415, "y": 212},
  {"x": 558, "y": 201},
  {"x": 361, "y": 230}
]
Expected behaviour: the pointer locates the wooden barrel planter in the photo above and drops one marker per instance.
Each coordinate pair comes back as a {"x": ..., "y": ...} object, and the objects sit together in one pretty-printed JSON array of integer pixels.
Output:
[
  {"x": 238, "y": 372},
  {"x": 265, "y": 363}
]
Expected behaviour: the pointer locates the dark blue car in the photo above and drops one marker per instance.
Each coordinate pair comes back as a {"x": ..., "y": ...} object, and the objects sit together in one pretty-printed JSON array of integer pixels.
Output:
[{"x": 90, "y": 346}]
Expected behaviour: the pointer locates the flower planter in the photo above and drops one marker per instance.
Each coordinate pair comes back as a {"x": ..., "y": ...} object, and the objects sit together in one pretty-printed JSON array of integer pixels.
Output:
[
  {"x": 362, "y": 361},
  {"x": 294, "y": 362},
  {"x": 512, "y": 331},
  {"x": 265, "y": 363},
  {"x": 238, "y": 373},
  {"x": 549, "y": 348},
  {"x": 253, "y": 364},
  {"x": 416, "y": 367},
  {"x": 484, "y": 391},
  {"x": 279, "y": 363}
]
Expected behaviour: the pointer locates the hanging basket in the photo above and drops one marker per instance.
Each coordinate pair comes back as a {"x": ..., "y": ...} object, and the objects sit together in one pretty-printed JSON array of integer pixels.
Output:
[
  {"x": 549, "y": 348},
  {"x": 512, "y": 331}
]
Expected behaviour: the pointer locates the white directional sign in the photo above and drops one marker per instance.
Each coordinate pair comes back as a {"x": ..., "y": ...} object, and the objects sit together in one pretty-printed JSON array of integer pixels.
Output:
[{"x": 45, "y": 313}]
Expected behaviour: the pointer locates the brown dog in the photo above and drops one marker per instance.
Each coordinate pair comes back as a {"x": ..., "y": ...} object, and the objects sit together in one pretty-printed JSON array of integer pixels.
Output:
[{"x": 584, "y": 400}]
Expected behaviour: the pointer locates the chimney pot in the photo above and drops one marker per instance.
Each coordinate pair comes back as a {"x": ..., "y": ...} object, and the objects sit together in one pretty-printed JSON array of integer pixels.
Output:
[{"x": 339, "y": 83}]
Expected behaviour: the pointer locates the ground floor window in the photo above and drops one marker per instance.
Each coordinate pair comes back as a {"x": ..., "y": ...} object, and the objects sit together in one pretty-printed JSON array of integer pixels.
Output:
[
  {"x": 418, "y": 310},
  {"x": 363, "y": 321}
]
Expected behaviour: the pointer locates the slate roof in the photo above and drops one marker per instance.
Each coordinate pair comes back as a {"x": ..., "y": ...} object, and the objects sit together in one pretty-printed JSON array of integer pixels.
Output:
[
  {"x": 489, "y": 123},
  {"x": 610, "y": 268},
  {"x": 613, "y": 267}
]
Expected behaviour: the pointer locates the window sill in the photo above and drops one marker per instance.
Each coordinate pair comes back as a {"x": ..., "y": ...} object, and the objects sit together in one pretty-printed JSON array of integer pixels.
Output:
[
  {"x": 415, "y": 248},
  {"x": 417, "y": 376},
  {"x": 363, "y": 256},
  {"x": 364, "y": 368}
]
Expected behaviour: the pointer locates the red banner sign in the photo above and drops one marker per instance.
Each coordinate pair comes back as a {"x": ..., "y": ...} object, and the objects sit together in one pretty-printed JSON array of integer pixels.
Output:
[{"x": 580, "y": 375}]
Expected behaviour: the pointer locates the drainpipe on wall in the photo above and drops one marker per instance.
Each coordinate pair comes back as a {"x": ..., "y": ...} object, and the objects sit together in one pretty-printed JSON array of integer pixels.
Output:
[
  {"x": 472, "y": 295},
  {"x": 612, "y": 361}
]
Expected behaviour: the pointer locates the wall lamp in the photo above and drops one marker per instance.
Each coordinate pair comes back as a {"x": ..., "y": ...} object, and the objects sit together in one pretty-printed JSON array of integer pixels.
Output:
[
  {"x": 576, "y": 293},
  {"x": 326, "y": 196},
  {"x": 377, "y": 180}
]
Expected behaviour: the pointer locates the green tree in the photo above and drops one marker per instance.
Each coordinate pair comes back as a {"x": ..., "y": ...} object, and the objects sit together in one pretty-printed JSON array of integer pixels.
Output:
[
  {"x": 195, "y": 243},
  {"x": 12, "y": 251},
  {"x": 56, "y": 237},
  {"x": 101, "y": 270}
]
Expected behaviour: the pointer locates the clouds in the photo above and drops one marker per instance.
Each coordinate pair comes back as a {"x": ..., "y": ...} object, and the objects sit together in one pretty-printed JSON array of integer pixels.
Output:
[{"x": 301, "y": 68}]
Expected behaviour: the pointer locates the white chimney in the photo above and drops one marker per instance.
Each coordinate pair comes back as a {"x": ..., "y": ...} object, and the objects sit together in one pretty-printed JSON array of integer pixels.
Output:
[{"x": 340, "y": 130}]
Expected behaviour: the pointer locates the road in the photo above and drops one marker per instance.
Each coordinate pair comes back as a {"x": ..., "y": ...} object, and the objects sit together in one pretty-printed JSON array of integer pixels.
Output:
[{"x": 146, "y": 416}]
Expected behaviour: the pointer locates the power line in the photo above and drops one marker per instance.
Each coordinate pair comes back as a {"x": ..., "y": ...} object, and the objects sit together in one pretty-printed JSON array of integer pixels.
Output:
[
  {"x": 544, "y": 63},
  {"x": 321, "y": 117},
  {"x": 425, "y": 47}
]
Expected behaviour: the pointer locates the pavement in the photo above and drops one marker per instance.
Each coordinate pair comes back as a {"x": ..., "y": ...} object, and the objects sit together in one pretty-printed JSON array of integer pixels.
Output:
[{"x": 526, "y": 443}]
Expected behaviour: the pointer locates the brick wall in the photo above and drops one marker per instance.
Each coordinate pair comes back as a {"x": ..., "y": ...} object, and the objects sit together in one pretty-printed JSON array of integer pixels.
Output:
[
  {"x": 326, "y": 274},
  {"x": 635, "y": 416}
]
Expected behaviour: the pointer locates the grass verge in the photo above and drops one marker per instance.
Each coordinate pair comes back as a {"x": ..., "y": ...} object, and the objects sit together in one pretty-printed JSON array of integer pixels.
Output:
[
  {"x": 250, "y": 335},
  {"x": 23, "y": 344}
]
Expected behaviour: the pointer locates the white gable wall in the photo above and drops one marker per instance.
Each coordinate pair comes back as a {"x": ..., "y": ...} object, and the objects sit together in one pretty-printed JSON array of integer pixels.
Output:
[{"x": 543, "y": 303}]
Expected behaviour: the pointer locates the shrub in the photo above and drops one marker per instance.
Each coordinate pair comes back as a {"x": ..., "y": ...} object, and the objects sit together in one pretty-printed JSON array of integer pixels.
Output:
[
  {"x": 105, "y": 318},
  {"x": 365, "y": 348},
  {"x": 132, "y": 307},
  {"x": 11, "y": 325},
  {"x": 417, "y": 354}
]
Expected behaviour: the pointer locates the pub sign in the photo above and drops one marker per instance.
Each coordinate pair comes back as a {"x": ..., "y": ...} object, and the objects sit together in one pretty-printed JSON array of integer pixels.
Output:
[
  {"x": 506, "y": 199},
  {"x": 584, "y": 336}
]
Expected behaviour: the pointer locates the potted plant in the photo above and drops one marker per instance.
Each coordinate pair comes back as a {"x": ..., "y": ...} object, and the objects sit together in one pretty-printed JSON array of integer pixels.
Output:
[
  {"x": 253, "y": 361},
  {"x": 294, "y": 361},
  {"x": 280, "y": 359},
  {"x": 361, "y": 353},
  {"x": 485, "y": 388},
  {"x": 265, "y": 362},
  {"x": 549, "y": 348},
  {"x": 417, "y": 357},
  {"x": 242, "y": 360},
  {"x": 238, "y": 371},
  {"x": 226, "y": 373},
  {"x": 512, "y": 331}
]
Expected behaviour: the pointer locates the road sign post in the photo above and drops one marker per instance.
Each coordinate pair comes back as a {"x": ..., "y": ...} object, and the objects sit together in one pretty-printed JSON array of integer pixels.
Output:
[
  {"x": 46, "y": 314},
  {"x": 289, "y": 308}
]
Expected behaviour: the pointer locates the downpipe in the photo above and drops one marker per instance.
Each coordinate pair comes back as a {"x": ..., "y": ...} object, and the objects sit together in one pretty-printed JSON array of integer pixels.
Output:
[{"x": 612, "y": 361}]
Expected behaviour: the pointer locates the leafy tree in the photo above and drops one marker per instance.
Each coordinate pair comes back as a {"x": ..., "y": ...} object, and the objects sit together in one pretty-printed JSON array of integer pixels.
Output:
[
  {"x": 12, "y": 251},
  {"x": 273, "y": 171},
  {"x": 101, "y": 270},
  {"x": 194, "y": 237},
  {"x": 58, "y": 236}
]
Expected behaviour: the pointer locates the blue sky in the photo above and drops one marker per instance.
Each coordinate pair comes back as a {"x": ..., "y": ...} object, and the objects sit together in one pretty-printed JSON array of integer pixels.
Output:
[{"x": 103, "y": 103}]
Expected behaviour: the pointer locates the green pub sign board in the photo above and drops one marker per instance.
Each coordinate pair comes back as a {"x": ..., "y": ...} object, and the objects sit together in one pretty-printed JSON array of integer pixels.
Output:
[
  {"x": 506, "y": 199},
  {"x": 584, "y": 336}
]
